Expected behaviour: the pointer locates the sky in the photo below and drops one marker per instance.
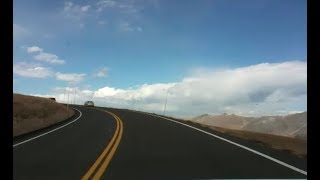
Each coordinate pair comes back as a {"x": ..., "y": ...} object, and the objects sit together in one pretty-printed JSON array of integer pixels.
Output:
[{"x": 205, "y": 57}]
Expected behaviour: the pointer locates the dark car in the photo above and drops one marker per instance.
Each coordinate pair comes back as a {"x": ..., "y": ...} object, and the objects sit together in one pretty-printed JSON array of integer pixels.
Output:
[
  {"x": 89, "y": 103},
  {"x": 53, "y": 99}
]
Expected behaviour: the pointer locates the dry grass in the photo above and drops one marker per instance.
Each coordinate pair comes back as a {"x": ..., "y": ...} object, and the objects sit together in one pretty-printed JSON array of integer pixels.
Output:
[
  {"x": 291, "y": 145},
  {"x": 31, "y": 113}
]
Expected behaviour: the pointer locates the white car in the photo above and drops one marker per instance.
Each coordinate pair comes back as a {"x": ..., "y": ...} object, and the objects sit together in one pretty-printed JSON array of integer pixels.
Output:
[{"x": 89, "y": 103}]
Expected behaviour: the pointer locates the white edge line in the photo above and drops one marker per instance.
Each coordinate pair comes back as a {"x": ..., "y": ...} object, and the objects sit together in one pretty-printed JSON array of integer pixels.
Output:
[
  {"x": 239, "y": 145},
  {"x": 48, "y": 131}
]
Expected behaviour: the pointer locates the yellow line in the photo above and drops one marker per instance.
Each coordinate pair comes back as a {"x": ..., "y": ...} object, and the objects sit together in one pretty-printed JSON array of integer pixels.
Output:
[
  {"x": 110, "y": 155},
  {"x": 95, "y": 165}
]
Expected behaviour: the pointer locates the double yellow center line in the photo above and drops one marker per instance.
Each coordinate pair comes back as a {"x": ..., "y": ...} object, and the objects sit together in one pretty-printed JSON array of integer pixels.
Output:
[{"x": 95, "y": 172}]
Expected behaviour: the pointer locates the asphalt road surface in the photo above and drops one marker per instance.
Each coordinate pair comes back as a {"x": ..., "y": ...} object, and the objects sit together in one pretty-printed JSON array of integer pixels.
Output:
[{"x": 123, "y": 144}]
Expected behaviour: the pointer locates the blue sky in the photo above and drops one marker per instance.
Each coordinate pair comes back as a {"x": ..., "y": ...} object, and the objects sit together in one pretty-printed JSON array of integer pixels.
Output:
[{"x": 136, "y": 42}]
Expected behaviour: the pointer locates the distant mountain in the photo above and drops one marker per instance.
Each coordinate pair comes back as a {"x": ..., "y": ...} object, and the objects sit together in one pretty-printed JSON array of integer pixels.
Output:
[
  {"x": 268, "y": 124},
  {"x": 294, "y": 125},
  {"x": 228, "y": 121}
]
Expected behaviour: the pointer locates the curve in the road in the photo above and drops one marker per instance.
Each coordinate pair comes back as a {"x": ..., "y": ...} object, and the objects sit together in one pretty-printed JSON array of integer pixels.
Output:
[
  {"x": 106, "y": 156},
  {"x": 149, "y": 147},
  {"x": 33, "y": 138},
  {"x": 239, "y": 145}
]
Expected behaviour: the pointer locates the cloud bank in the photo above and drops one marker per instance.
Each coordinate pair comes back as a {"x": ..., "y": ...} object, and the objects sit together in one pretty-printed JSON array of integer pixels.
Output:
[
  {"x": 262, "y": 89},
  {"x": 34, "y": 49},
  {"x": 102, "y": 72},
  {"x": 71, "y": 77},
  {"x": 31, "y": 70},
  {"x": 43, "y": 56},
  {"x": 19, "y": 31}
]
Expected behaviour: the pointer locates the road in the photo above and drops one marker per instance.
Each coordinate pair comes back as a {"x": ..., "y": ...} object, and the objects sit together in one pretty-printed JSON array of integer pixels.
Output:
[{"x": 124, "y": 144}]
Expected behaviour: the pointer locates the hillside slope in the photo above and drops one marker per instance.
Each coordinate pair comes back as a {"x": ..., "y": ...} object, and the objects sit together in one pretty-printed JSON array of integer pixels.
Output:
[
  {"x": 294, "y": 125},
  {"x": 31, "y": 113}
]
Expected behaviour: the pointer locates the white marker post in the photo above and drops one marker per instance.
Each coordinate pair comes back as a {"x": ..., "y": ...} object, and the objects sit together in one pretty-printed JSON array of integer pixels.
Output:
[
  {"x": 165, "y": 106},
  {"x": 74, "y": 96},
  {"x": 68, "y": 100}
]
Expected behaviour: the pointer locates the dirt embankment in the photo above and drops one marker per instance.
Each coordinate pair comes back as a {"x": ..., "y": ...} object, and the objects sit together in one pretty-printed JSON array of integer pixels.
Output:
[
  {"x": 293, "y": 125},
  {"x": 291, "y": 145},
  {"x": 31, "y": 113}
]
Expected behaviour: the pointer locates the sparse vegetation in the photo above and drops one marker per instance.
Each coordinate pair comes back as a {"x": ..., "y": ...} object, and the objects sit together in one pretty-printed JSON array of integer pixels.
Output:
[
  {"x": 31, "y": 113},
  {"x": 294, "y": 125},
  {"x": 290, "y": 145}
]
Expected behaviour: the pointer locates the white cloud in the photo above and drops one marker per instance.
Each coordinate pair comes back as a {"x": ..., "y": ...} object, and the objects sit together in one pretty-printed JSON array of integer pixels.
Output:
[
  {"x": 127, "y": 27},
  {"x": 67, "y": 6},
  {"x": 33, "y": 49},
  {"x": 262, "y": 89},
  {"x": 19, "y": 31},
  {"x": 86, "y": 93},
  {"x": 48, "y": 35},
  {"x": 43, "y": 56},
  {"x": 155, "y": 4},
  {"x": 128, "y": 8},
  {"x": 31, "y": 70},
  {"x": 85, "y": 8},
  {"x": 139, "y": 29},
  {"x": 75, "y": 11},
  {"x": 102, "y": 4},
  {"x": 75, "y": 94},
  {"x": 130, "y": 11},
  {"x": 294, "y": 112},
  {"x": 108, "y": 91},
  {"x": 102, "y": 22},
  {"x": 81, "y": 25},
  {"x": 124, "y": 7},
  {"x": 49, "y": 58},
  {"x": 102, "y": 72},
  {"x": 71, "y": 78}
]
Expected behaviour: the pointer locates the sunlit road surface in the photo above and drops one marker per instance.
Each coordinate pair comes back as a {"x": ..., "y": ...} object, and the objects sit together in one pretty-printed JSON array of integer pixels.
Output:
[{"x": 123, "y": 144}]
